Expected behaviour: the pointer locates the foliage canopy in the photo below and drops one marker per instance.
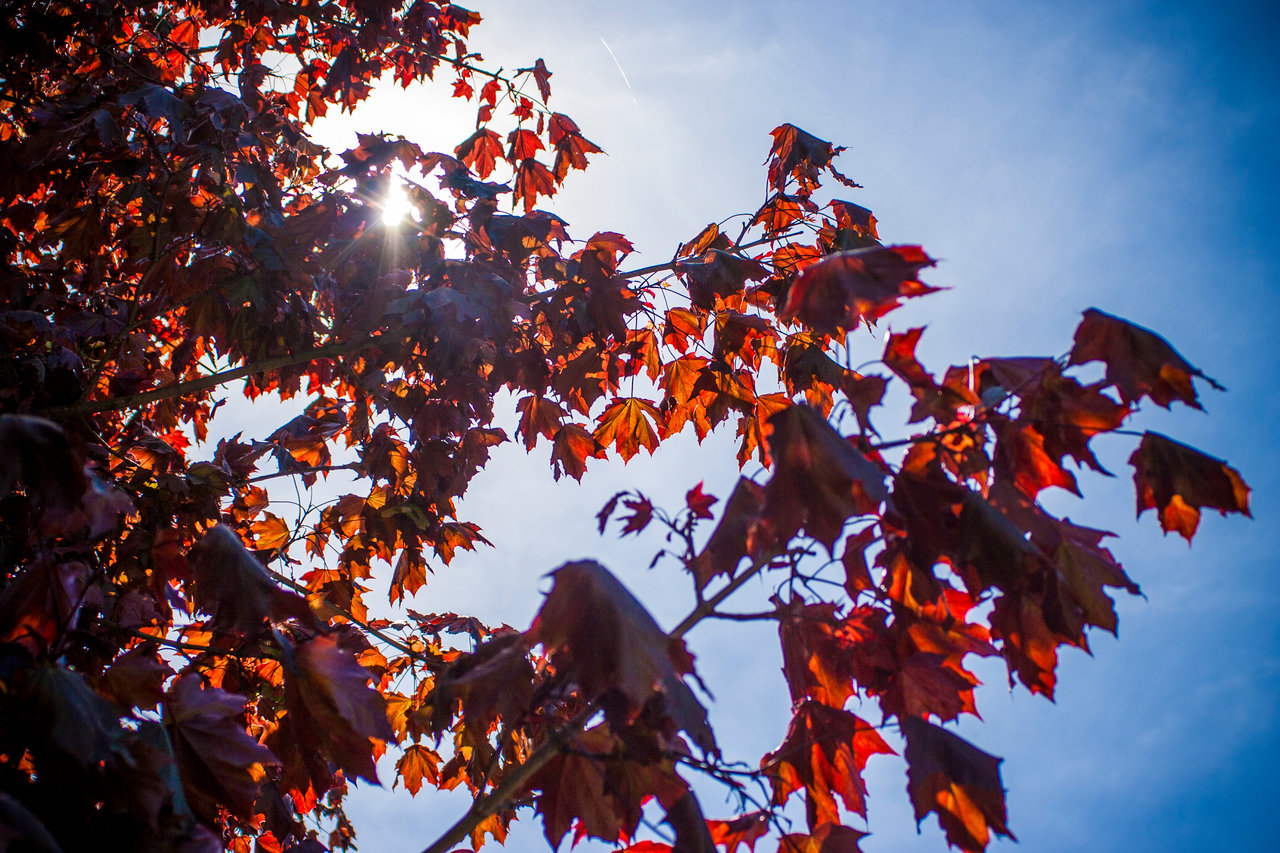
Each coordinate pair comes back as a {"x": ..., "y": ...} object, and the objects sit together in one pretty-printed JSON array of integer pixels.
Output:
[{"x": 187, "y": 664}]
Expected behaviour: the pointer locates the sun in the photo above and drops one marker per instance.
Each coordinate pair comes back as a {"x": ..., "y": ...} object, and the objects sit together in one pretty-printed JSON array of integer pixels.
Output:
[{"x": 395, "y": 204}]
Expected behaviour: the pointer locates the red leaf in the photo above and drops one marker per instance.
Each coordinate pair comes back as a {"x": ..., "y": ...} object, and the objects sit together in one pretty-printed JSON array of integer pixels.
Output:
[
  {"x": 731, "y": 540},
  {"x": 1020, "y": 453},
  {"x": 523, "y": 145},
  {"x": 1085, "y": 568},
  {"x": 799, "y": 155},
  {"x": 598, "y": 634},
  {"x": 641, "y": 514},
  {"x": 1030, "y": 649},
  {"x": 221, "y": 765},
  {"x": 1139, "y": 362},
  {"x": 824, "y": 752},
  {"x": 745, "y": 829},
  {"x": 957, "y": 781},
  {"x": 818, "y": 659},
  {"x": 332, "y": 714},
  {"x": 842, "y": 290},
  {"x": 601, "y": 788},
  {"x": 1178, "y": 481},
  {"x": 538, "y": 416},
  {"x": 542, "y": 77},
  {"x": 532, "y": 180},
  {"x": 136, "y": 678},
  {"x": 819, "y": 479},
  {"x": 698, "y": 503},
  {"x": 234, "y": 588},
  {"x": 481, "y": 152},
  {"x": 718, "y": 274}
]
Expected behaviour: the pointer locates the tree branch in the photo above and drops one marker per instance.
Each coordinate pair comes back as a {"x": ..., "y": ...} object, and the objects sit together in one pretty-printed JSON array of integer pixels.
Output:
[
  {"x": 204, "y": 383},
  {"x": 485, "y": 805},
  {"x": 707, "y": 606}
]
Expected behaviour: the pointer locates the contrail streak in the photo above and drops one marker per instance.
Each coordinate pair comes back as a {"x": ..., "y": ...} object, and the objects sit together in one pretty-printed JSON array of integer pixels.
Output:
[{"x": 620, "y": 71}]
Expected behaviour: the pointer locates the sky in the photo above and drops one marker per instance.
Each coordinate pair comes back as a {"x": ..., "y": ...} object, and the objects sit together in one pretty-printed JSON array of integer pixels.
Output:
[{"x": 1054, "y": 156}]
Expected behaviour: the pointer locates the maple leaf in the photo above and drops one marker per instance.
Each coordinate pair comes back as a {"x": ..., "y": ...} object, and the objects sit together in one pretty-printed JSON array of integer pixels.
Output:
[
  {"x": 816, "y": 655},
  {"x": 780, "y": 211},
  {"x": 220, "y": 764},
  {"x": 600, "y": 789},
  {"x": 957, "y": 781},
  {"x": 699, "y": 504},
  {"x": 480, "y": 152},
  {"x": 235, "y": 589},
  {"x": 628, "y": 423},
  {"x": 542, "y": 77},
  {"x": 717, "y": 275},
  {"x": 332, "y": 712},
  {"x": 798, "y": 154},
  {"x": 924, "y": 684},
  {"x": 846, "y": 288},
  {"x": 1065, "y": 413},
  {"x": 819, "y": 479},
  {"x": 680, "y": 378},
  {"x": 418, "y": 763},
  {"x": 571, "y": 147},
  {"x": 533, "y": 179},
  {"x": 493, "y": 683},
  {"x": 641, "y": 514},
  {"x": 1085, "y": 568},
  {"x": 1177, "y": 481},
  {"x": 573, "y": 790},
  {"x": 745, "y": 829},
  {"x": 1030, "y": 649},
  {"x": 824, "y": 752},
  {"x": 136, "y": 678},
  {"x": 1020, "y": 452},
  {"x": 827, "y": 838},
  {"x": 571, "y": 448},
  {"x": 1139, "y": 362},
  {"x": 599, "y": 635},
  {"x": 522, "y": 144}
]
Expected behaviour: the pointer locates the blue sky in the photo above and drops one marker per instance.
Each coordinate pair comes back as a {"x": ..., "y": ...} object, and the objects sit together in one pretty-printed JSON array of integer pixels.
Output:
[{"x": 1054, "y": 156}]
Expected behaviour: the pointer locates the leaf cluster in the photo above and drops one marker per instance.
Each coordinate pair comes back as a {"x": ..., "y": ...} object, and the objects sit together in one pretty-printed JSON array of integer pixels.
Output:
[{"x": 186, "y": 657}]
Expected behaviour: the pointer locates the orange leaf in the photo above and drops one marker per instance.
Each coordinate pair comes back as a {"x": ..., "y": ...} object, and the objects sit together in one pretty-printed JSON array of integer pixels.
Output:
[
  {"x": 418, "y": 763},
  {"x": 824, "y": 752},
  {"x": 629, "y": 423},
  {"x": 571, "y": 448}
]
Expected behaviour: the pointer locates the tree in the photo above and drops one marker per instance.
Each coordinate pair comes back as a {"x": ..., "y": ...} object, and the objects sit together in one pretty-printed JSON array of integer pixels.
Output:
[{"x": 188, "y": 662}]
